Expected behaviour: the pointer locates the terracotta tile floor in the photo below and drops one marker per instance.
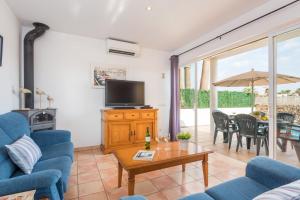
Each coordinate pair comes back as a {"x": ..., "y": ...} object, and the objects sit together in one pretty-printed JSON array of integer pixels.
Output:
[{"x": 94, "y": 177}]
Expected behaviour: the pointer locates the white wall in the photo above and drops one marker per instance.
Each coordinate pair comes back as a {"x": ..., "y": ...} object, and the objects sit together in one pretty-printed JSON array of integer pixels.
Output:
[
  {"x": 270, "y": 24},
  {"x": 62, "y": 69},
  {"x": 9, "y": 71}
]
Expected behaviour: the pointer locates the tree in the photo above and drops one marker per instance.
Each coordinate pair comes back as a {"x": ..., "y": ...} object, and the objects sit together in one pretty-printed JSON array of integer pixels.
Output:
[{"x": 298, "y": 91}]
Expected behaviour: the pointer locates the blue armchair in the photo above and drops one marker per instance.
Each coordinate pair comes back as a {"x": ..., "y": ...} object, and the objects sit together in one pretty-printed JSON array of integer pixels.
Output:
[
  {"x": 262, "y": 174},
  {"x": 50, "y": 174}
]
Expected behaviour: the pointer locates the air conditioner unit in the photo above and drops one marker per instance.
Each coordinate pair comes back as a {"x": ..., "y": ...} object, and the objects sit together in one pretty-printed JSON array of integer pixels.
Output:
[{"x": 121, "y": 47}]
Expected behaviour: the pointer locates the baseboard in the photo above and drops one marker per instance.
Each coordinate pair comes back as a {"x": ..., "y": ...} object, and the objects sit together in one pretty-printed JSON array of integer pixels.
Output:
[{"x": 86, "y": 148}]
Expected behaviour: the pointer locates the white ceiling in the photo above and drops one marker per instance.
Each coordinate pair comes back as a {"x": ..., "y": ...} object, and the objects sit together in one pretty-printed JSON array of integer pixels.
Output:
[{"x": 168, "y": 26}]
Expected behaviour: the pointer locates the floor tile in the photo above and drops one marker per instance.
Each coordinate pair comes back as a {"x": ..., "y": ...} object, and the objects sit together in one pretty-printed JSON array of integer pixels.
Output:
[
  {"x": 117, "y": 193},
  {"x": 145, "y": 188},
  {"x": 87, "y": 169},
  {"x": 96, "y": 196},
  {"x": 73, "y": 180},
  {"x": 164, "y": 182},
  {"x": 88, "y": 177},
  {"x": 90, "y": 188},
  {"x": 106, "y": 165},
  {"x": 175, "y": 193},
  {"x": 154, "y": 174},
  {"x": 194, "y": 187},
  {"x": 156, "y": 196},
  {"x": 181, "y": 178},
  {"x": 72, "y": 192},
  {"x": 196, "y": 173},
  {"x": 95, "y": 176}
]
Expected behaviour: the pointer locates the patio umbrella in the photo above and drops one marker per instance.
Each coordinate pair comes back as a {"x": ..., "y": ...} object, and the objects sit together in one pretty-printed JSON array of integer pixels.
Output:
[{"x": 254, "y": 78}]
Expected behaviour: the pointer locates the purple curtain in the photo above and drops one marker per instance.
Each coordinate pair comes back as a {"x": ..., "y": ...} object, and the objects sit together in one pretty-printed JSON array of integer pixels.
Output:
[{"x": 174, "y": 123}]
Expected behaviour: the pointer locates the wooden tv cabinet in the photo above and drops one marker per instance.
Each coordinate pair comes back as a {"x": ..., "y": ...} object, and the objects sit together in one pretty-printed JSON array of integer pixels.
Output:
[{"x": 127, "y": 127}]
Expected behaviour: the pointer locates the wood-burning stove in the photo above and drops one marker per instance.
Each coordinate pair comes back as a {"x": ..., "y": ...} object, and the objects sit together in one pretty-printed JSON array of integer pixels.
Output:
[{"x": 40, "y": 119}]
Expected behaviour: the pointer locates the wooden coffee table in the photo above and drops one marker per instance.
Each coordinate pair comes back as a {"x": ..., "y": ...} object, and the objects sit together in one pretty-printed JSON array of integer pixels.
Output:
[{"x": 166, "y": 155}]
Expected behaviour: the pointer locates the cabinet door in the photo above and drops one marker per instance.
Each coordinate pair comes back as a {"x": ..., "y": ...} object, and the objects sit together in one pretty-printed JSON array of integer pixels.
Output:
[
  {"x": 119, "y": 133},
  {"x": 140, "y": 130}
]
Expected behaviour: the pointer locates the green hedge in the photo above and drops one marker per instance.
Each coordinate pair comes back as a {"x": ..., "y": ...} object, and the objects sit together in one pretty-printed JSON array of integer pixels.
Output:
[{"x": 226, "y": 99}]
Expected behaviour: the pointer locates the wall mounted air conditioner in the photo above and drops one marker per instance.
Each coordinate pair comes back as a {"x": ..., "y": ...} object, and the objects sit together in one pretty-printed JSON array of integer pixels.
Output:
[{"x": 120, "y": 47}]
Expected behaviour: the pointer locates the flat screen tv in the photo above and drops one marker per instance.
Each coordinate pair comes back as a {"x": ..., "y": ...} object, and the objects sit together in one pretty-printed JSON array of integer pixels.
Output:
[{"x": 120, "y": 93}]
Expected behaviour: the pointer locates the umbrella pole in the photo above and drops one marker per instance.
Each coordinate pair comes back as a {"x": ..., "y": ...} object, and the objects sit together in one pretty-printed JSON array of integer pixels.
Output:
[{"x": 252, "y": 95}]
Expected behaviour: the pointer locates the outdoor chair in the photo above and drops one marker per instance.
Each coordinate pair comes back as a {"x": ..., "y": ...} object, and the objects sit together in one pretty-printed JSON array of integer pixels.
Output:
[
  {"x": 284, "y": 128},
  {"x": 248, "y": 127},
  {"x": 224, "y": 125}
]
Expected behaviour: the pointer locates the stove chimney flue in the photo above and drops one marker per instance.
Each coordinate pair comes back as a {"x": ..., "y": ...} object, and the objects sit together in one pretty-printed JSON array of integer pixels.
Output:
[{"x": 38, "y": 31}]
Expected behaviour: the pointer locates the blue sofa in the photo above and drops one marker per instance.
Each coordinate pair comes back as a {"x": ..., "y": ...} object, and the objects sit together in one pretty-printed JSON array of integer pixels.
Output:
[
  {"x": 50, "y": 174},
  {"x": 262, "y": 174}
]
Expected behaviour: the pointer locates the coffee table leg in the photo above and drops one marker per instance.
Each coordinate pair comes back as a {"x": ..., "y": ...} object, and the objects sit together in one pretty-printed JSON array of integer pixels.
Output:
[
  {"x": 183, "y": 167},
  {"x": 131, "y": 180},
  {"x": 205, "y": 170},
  {"x": 120, "y": 170}
]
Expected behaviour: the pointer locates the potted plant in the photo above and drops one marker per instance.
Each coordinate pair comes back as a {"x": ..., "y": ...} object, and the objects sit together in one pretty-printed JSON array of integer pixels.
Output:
[{"x": 184, "y": 138}]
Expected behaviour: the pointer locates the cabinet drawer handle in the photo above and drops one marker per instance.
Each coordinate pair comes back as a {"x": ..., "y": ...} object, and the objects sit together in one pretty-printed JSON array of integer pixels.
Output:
[
  {"x": 116, "y": 115},
  {"x": 132, "y": 115}
]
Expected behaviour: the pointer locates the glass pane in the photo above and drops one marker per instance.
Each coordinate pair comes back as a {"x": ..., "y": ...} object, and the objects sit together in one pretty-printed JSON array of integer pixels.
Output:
[
  {"x": 203, "y": 101},
  {"x": 245, "y": 93},
  {"x": 288, "y": 97},
  {"x": 187, "y": 99}
]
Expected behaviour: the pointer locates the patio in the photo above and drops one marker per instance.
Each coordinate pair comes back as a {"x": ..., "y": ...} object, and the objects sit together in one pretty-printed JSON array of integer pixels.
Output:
[{"x": 205, "y": 138}]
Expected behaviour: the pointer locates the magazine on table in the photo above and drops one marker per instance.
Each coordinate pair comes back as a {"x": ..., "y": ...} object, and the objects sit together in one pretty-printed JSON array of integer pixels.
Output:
[{"x": 144, "y": 155}]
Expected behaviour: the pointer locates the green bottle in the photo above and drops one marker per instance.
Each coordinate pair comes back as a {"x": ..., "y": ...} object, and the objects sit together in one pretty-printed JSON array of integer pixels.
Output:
[{"x": 147, "y": 139}]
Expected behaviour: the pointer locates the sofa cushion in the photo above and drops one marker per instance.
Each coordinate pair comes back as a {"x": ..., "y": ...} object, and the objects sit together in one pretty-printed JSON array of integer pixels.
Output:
[
  {"x": 240, "y": 188},
  {"x": 14, "y": 125},
  {"x": 289, "y": 191},
  {"x": 58, "y": 150},
  {"x": 197, "y": 196},
  {"x": 7, "y": 167},
  {"x": 24, "y": 153},
  {"x": 62, "y": 164}
]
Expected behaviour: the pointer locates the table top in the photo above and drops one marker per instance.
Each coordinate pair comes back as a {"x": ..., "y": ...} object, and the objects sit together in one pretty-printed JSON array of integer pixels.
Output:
[{"x": 164, "y": 153}]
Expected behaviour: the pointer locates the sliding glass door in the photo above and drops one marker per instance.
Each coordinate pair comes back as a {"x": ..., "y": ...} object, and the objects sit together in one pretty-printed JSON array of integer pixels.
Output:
[
  {"x": 194, "y": 100},
  {"x": 287, "y": 63}
]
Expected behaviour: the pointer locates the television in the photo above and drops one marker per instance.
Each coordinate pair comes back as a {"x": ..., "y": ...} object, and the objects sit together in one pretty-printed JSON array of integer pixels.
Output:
[{"x": 121, "y": 93}]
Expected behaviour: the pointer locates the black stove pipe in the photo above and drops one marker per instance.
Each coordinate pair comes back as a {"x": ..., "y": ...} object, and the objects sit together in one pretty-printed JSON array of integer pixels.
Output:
[{"x": 39, "y": 30}]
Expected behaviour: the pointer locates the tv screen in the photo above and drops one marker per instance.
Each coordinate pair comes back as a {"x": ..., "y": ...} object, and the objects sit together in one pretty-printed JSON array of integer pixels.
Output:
[{"x": 120, "y": 93}]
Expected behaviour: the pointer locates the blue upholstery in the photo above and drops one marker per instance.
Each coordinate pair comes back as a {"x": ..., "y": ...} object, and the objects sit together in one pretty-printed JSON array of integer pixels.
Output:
[
  {"x": 240, "y": 188},
  {"x": 50, "y": 175},
  {"x": 7, "y": 167},
  {"x": 271, "y": 173},
  {"x": 14, "y": 125},
  {"x": 197, "y": 196},
  {"x": 135, "y": 197},
  {"x": 57, "y": 150},
  {"x": 262, "y": 174},
  {"x": 48, "y": 138}
]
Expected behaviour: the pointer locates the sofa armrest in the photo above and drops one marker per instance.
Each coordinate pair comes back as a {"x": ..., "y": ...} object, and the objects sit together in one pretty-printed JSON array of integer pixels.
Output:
[
  {"x": 271, "y": 173},
  {"x": 32, "y": 181},
  {"x": 50, "y": 137}
]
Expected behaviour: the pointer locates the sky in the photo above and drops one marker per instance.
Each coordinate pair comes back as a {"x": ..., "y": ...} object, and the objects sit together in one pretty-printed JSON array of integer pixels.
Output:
[{"x": 288, "y": 62}]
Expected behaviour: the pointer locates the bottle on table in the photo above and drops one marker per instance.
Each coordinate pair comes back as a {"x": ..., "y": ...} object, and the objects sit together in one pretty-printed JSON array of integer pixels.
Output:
[{"x": 147, "y": 139}]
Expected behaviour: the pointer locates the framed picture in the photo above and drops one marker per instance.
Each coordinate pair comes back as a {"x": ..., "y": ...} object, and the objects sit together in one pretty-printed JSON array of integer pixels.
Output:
[
  {"x": 101, "y": 73},
  {"x": 1, "y": 49}
]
